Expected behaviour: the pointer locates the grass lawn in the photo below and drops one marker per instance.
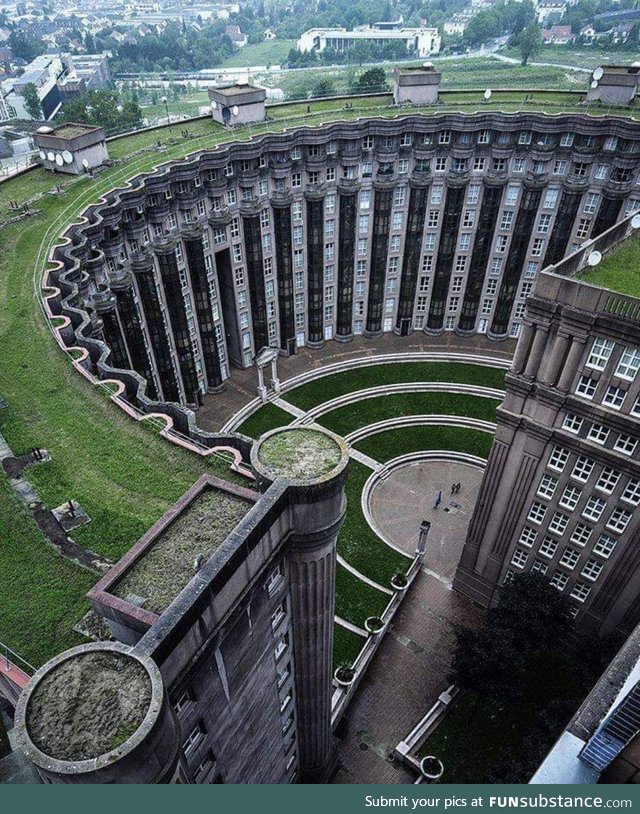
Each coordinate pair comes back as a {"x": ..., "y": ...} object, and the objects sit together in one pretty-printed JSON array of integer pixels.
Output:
[
  {"x": 330, "y": 387},
  {"x": 124, "y": 475},
  {"x": 384, "y": 446},
  {"x": 346, "y": 645},
  {"x": 357, "y": 543},
  {"x": 353, "y": 416},
  {"x": 476, "y": 736},
  {"x": 619, "y": 269},
  {"x": 42, "y": 595},
  {"x": 266, "y": 418},
  {"x": 270, "y": 52},
  {"x": 355, "y": 600},
  {"x": 582, "y": 56}
]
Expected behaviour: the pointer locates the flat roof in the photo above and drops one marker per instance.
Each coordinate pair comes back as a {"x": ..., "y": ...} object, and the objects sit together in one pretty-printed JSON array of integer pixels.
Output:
[
  {"x": 192, "y": 531},
  {"x": 619, "y": 270}
]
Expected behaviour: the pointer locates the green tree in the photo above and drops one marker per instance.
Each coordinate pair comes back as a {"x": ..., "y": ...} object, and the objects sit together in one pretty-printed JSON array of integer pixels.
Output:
[
  {"x": 371, "y": 81},
  {"x": 324, "y": 87},
  {"x": 508, "y": 657},
  {"x": 529, "y": 42},
  {"x": 32, "y": 101}
]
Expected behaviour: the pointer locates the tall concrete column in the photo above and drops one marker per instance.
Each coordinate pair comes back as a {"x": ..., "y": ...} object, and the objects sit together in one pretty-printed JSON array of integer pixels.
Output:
[
  {"x": 522, "y": 348},
  {"x": 537, "y": 351},
  {"x": 573, "y": 360},
  {"x": 313, "y": 462},
  {"x": 556, "y": 358}
]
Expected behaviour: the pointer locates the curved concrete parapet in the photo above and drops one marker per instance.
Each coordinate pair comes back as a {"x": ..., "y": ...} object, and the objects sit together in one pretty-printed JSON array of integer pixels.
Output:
[{"x": 99, "y": 713}]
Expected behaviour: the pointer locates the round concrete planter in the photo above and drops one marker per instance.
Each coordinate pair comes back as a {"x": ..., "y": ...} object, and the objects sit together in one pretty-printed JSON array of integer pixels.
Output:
[
  {"x": 399, "y": 582},
  {"x": 344, "y": 676},
  {"x": 431, "y": 768},
  {"x": 374, "y": 625}
]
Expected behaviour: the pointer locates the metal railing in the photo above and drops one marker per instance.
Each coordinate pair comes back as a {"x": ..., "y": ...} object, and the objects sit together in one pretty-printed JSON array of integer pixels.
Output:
[{"x": 16, "y": 660}]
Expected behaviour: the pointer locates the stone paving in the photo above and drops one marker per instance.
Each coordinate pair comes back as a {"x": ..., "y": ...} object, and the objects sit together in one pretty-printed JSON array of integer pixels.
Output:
[
  {"x": 241, "y": 387},
  {"x": 410, "y": 668}
]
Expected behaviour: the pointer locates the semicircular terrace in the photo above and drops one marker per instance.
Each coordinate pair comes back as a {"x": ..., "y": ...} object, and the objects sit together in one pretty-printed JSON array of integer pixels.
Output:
[{"x": 434, "y": 226}]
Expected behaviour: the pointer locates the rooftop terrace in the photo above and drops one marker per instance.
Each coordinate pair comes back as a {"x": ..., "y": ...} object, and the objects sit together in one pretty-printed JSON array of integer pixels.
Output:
[
  {"x": 619, "y": 270},
  {"x": 188, "y": 533}
]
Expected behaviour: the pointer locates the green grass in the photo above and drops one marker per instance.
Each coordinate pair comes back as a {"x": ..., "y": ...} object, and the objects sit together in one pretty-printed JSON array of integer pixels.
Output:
[
  {"x": 330, "y": 387},
  {"x": 357, "y": 543},
  {"x": 42, "y": 594},
  {"x": 475, "y": 737},
  {"x": 580, "y": 56},
  {"x": 362, "y": 413},
  {"x": 355, "y": 600},
  {"x": 266, "y": 418},
  {"x": 619, "y": 270},
  {"x": 384, "y": 446},
  {"x": 346, "y": 646},
  {"x": 270, "y": 52}
]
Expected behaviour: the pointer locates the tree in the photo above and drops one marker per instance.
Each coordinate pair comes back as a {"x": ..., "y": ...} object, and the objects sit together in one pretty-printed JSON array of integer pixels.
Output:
[
  {"x": 507, "y": 658},
  {"x": 324, "y": 87},
  {"x": 372, "y": 80},
  {"x": 103, "y": 108},
  {"x": 23, "y": 47},
  {"x": 529, "y": 41},
  {"x": 32, "y": 101}
]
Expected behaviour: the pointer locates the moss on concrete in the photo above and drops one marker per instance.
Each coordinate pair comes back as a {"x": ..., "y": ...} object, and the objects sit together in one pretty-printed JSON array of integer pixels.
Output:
[{"x": 299, "y": 454}]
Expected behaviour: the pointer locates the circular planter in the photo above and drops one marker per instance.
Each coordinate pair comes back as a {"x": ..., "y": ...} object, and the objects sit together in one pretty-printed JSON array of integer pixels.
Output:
[
  {"x": 399, "y": 582},
  {"x": 374, "y": 625},
  {"x": 431, "y": 768},
  {"x": 344, "y": 677}
]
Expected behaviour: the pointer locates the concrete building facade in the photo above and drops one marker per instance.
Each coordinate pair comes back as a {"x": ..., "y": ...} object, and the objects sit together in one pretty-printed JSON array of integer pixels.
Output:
[
  {"x": 223, "y": 615},
  {"x": 562, "y": 484},
  {"x": 425, "y": 41},
  {"x": 71, "y": 148},
  {"x": 431, "y": 224}
]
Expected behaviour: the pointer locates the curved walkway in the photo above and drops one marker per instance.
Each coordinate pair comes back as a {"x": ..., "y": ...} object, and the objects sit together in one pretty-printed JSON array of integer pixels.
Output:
[
  {"x": 391, "y": 389},
  {"x": 419, "y": 421},
  {"x": 369, "y": 360}
]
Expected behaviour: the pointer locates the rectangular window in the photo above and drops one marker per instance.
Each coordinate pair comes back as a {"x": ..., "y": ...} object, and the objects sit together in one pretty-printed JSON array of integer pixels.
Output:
[
  {"x": 548, "y": 547},
  {"x": 581, "y": 534},
  {"x": 559, "y": 580},
  {"x": 628, "y": 364},
  {"x": 193, "y": 738},
  {"x": 605, "y": 545},
  {"x": 614, "y": 397},
  {"x": 558, "y": 459},
  {"x": 572, "y": 423},
  {"x": 528, "y": 536},
  {"x": 519, "y": 558},
  {"x": 600, "y": 353},
  {"x": 598, "y": 433},
  {"x": 625, "y": 444},
  {"x": 547, "y": 486},
  {"x": 537, "y": 512},
  {"x": 619, "y": 520},
  {"x": 580, "y": 591},
  {"x": 569, "y": 558},
  {"x": 608, "y": 480},
  {"x": 582, "y": 469},
  {"x": 558, "y": 524},
  {"x": 570, "y": 497},
  {"x": 586, "y": 387},
  {"x": 592, "y": 570},
  {"x": 594, "y": 508},
  {"x": 631, "y": 492}
]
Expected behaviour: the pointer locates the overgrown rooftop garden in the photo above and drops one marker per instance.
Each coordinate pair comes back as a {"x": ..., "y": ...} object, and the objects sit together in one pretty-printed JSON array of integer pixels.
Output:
[{"x": 619, "y": 269}]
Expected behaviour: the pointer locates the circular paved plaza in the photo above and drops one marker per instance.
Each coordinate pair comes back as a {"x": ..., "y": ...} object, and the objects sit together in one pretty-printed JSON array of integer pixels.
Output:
[{"x": 400, "y": 503}]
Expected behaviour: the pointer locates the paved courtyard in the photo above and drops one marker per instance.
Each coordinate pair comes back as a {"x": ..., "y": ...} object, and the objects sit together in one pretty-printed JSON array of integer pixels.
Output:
[{"x": 410, "y": 669}]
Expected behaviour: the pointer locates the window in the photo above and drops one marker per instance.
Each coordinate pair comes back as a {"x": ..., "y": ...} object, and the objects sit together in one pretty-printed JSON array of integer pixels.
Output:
[
  {"x": 631, "y": 492},
  {"x": 433, "y": 218},
  {"x": 591, "y": 203},
  {"x": 600, "y": 353},
  {"x": 501, "y": 243},
  {"x": 586, "y": 387},
  {"x": 625, "y": 444},
  {"x": 473, "y": 193},
  {"x": 594, "y": 508},
  {"x": 399, "y": 196},
  {"x": 619, "y": 520},
  {"x": 570, "y": 497},
  {"x": 506, "y": 220},
  {"x": 436, "y": 194},
  {"x": 469, "y": 218},
  {"x": 330, "y": 204},
  {"x": 580, "y": 591},
  {"x": 511, "y": 196},
  {"x": 396, "y": 221},
  {"x": 183, "y": 702},
  {"x": 608, "y": 480},
  {"x": 614, "y": 397},
  {"x": 584, "y": 225},
  {"x": 547, "y": 486},
  {"x": 539, "y": 567},
  {"x": 569, "y": 558},
  {"x": 528, "y": 536},
  {"x": 519, "y": 164},
  {"x": 572, "y": 423},
  {"x": 628, "y": 364},
  {"x": 558, "y": 459},
  {"x": 281, "y": 646},
  {"x": 592, "y": 569},
  {"x": 537, "y": 512},
  {"x": 604, "y": 546},
  {"x": 581, "y": 534},
  {"x": 544, "y": 224},
  {"x": 194, "y": 738},
  {"x": 496, "y": 265},
  {"x": 363, "y": 223},
  {"x": 519, "y": 558},
  {"x": 558, "y": 524},
  {"x": 559, "y": 167},
  {"x": 582, "y": 469},
  {"x": 548, "y": 547},
  {"x": 559, "y": 580},
  {"x": 537, "y": 247},
  {"x": 598, "y": 433}
]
